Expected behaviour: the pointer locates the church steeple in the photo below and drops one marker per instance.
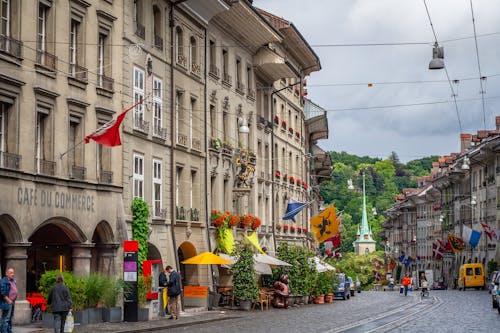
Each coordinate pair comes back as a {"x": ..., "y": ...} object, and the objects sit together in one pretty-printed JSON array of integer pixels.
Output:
[{"x": 364, "y": 242}]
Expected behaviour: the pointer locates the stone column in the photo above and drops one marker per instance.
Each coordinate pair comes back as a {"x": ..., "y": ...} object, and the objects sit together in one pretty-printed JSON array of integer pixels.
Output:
[
  {"x": 81, "y": 258},
  {"x": 106, "y": 261},
  {"x": 16, "y": 257}
]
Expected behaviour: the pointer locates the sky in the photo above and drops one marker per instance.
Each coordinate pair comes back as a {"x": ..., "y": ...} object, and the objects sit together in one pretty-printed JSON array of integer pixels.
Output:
[{"x": 339, "y": 31}]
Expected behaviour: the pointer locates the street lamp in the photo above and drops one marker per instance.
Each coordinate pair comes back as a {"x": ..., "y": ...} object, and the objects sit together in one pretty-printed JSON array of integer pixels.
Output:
[{"x": 437, "y": 61}]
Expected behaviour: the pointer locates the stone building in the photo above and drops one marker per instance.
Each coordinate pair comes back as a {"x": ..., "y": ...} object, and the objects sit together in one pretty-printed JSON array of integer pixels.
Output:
[
  {"x": 62, "y": 204},
  {"x": 204, "y": 136}
]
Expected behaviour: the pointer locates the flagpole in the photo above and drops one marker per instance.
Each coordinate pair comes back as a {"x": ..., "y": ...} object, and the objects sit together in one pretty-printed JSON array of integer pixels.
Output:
[{"x": 126, "y": 110}]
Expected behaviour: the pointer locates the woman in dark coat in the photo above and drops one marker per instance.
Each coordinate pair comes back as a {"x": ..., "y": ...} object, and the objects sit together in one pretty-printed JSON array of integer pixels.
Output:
[{"x": 60, "y": 301}]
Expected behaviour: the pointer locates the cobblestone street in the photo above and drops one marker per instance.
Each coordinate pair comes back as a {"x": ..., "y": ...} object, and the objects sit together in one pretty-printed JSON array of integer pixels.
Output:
[{"x": 444, "y": 311}]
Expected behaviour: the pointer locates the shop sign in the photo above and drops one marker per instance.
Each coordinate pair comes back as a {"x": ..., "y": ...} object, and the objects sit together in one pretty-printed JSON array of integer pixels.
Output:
[{"x": 34, "y": 197}]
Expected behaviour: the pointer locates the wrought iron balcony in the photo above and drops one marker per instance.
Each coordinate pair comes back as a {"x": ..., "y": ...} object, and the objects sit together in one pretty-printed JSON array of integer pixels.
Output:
[
  {"x": 77, "y": 172},
  {"x": 180, "y": 213},
  {"x": 196, "y": 144},
  {"x": 251, "y": 93},
  {"x": 160, "y": 132},
  {"x": 78, "y": 72},
  {"x": 106, "y": 177},
  {"x": 10, "y": 161},
  {"x": 240, "y": 88},
  {"x": 45, "y": 167},
  {"x": 226, "y": 79},
  {"x": 105, "y": 82},
  {"x": 140, "y": 30},
  {"x": 182, "y": 139},
  {"x": 46, "y": 59},
  {"x": 11, "y": 46},
  {"x": 194, "y": 214},
  {"x": 141, "y": 125},
  {"x": 214, "y": 71},
  {"x": 158, "y": 42}
]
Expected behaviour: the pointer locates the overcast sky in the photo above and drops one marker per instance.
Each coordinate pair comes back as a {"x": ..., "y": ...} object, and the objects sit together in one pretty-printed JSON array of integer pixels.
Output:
[{"x": 412, "y": 131}]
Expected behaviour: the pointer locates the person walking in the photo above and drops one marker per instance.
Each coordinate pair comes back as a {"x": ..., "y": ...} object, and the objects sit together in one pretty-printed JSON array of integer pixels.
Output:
[
  {"x": 173, "y": 292},
  {"x": 162, "y": 283},
  {"x": 8, "y": 291},
  {"x": 406, "y": 283},
  {"x": 60, "y": 301}
]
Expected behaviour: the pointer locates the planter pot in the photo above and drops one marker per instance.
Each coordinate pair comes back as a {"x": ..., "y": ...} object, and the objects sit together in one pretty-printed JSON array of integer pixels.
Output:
[
  {"x": 245, "y": 305},
  {"x": 319, "y": 299},
  {"x": 47, "y": 320},
  {"x": 95, "y": 315},
  {"x": 329, "y": 298},
  {"x": 81, "y": 317},
  {"x": 143, "y": 314},
  {"x": 112, "y": 315},
  {"x": 305, "y": 299}
]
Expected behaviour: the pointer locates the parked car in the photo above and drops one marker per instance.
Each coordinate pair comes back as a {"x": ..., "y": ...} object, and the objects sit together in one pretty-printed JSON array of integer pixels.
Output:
[
  {"x": 491, "y": 284},
  {"x": 495, "y": 293},
  {"x": 471, "y": 276},
  {"x": 353, "y": 286},
  {"x": 344, "y": 288}
]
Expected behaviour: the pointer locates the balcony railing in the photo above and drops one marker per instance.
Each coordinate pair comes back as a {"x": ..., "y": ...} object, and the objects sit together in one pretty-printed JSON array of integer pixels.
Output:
[
  {"x": 160, "y": 132},
  {"x": 226, "y": 79},
  {"x": 251, "y": 93},
  {"x": 141, "y": 125},
  {"x": 158, "y": 42},
  {"x": 196, "y": 144},
  {"x": 11, "y": 46},
  {"x": 214, "y": 71},
  {"x": 10, "y": 161},
  {"x": 105, "y": 82},
  {"x": 46, "y": 59},
  {"x": 181, "y": 60},
  {"x": 180, "y": 213},
  {"x": 78, "y": 72},
  {"x": 140, "y": 31},
  {"x": 106, "y": 177},
  {"x": 77, "y": 172},
  {"x": 196, "y": 69},
  {"x": 45, "y": 167},
  {"x": 240, "y": 88},
  {"x": 182, "y": 139}
]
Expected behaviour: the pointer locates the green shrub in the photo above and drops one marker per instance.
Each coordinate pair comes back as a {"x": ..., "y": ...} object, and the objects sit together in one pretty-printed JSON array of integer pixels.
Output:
[
  {"x": 245, "y": 285},
  {"x": 94, "y": 288},
  {"x": 113, "y": 287},
  {"x": 74, "y": 284}
]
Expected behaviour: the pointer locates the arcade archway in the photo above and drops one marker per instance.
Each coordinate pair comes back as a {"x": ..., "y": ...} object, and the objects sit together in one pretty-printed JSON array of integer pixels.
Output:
[
  {"x": 9, "y": 233},
  {"x": 189, "y": 273},
  {"x": 104, "y": 251}
]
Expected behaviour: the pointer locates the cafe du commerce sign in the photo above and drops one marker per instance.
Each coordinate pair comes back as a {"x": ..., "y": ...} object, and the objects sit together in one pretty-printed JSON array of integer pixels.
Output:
[{"x": 72, "y": 200}]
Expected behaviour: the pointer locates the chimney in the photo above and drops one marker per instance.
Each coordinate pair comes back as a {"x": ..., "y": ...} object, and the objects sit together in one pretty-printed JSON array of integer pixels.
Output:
[
  {"x": 497, "y": 122},
  {"x": 465, "y": 141}
]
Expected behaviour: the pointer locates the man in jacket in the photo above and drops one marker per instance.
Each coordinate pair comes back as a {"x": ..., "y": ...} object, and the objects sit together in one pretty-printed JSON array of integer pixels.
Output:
[
  {"x": 60, "y": 301},
  {"x": 8, "y": 292},
  {"x": 173, "y": 292}
]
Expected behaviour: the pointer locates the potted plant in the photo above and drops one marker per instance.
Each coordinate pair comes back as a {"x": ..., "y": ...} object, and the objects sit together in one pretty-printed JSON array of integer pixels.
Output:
[
  {"x": 244, "y": 283},
  {"x": 285, "y": 228},
  {"x": 143, "y": 288},
  {"x": 256, "y": 223},
  {"x": 113, "y": 288},
  {"x": 276, "y": 120},
  {"x": 93, "y": 289},
  {"x": 277, "y": 174}
]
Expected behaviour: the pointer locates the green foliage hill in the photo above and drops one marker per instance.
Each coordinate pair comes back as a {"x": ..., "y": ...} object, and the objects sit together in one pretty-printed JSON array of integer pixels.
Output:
[{"x": 384, "y": 179}]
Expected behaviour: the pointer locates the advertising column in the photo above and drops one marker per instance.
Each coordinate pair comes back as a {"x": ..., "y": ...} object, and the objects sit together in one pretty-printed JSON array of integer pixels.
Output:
[{"x": 130, "y": 297}]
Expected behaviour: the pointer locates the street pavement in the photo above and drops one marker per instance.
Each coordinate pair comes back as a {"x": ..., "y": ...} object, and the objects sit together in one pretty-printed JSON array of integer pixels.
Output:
[{"x": 372, "y": 311}]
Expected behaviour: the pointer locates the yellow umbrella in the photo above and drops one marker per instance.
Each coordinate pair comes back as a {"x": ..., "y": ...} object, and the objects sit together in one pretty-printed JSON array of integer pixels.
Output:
[{"x": 207, "y": 258}]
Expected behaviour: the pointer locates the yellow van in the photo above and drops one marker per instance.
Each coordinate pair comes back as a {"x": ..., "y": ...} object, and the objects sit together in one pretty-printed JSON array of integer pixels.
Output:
[{"x": 471, "y": 276}]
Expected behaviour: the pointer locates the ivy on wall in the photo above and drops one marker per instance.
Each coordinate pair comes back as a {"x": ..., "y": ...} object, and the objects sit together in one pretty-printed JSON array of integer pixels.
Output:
[{"x": 140, "y": 228}]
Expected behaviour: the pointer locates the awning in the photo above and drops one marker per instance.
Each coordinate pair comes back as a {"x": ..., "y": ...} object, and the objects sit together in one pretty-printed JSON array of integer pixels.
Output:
[
  {"x": 262, "y": 262},
  {"x": 267, "y": 259},
  {"x": 322, "y": 266}
]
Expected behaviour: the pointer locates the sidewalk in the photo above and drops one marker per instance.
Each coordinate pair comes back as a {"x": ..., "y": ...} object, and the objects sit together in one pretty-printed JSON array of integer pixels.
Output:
[{"x": 185, "y": 319}]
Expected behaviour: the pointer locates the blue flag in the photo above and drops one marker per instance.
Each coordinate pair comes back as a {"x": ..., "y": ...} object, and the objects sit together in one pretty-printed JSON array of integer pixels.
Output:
[
  {"x": 471, "y": 236},
  {"x": 293, "y": 208}
]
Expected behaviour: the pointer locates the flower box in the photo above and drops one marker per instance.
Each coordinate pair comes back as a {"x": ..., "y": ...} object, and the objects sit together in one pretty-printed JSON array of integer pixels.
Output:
[
  {"x": 283, "y": 124},
  {"x": 276, "y": 120},
  {"x": 290, "y": 131},
  {"x": 292, "y": 180},
  {"x": 285, "y": 228},
  {"x": 277, "y": 174},
  {"x": 292, "y": 229}
]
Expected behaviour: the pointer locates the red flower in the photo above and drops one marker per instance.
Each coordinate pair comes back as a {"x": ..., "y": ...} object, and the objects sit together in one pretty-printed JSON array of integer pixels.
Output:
[
  {"x": 247, "y": 220},
  {"x": 234, "y": 220},
  {"x": 278, "y": 226},
  {"x": 256, "y": 223},
  {"x": 285, "y": 227},
  {"x": 278, "y": 174},
  {"x": 292, "y": 228}
]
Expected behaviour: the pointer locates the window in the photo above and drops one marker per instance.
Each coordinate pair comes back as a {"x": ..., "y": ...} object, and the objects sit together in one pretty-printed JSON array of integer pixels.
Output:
[
  {"x": 73, "y": 45},
  {"x": 225, "y": 69},
  {"x": 5, "y": 18},
  {"x": 212, "y": 55},
  {"x": 157, "y": 109},
  {"x": 100, "y": 59},
  {"x": 178, "y": 175},
  {"x": 75, "y": 154},
  {"x": 44, "y": 38},
  {"x": 43, "y": 143},
  {"x": 193, "y": 54},
  {"x": 3, "y": 127},
  {"x": 250, "y": 81},
  {"x": 157, "y": 187},
  {"x": 179, "y": 118},
  {"x": 104, "y": 55},
  {"x": 191, "y": 109},
  {"x": 138, "y": 176},
  {"x": 138, "y": 96},
  {"x": 192, "y": 189},
  {"x": 157, "y": 33},
  {"x": 75, "y": 55},
  {"x": 180, "y": 46},
  {"x": 238, "y": 71},
  {"x": 139, "y": 29},
  {"x": 213, "y": 122}
]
